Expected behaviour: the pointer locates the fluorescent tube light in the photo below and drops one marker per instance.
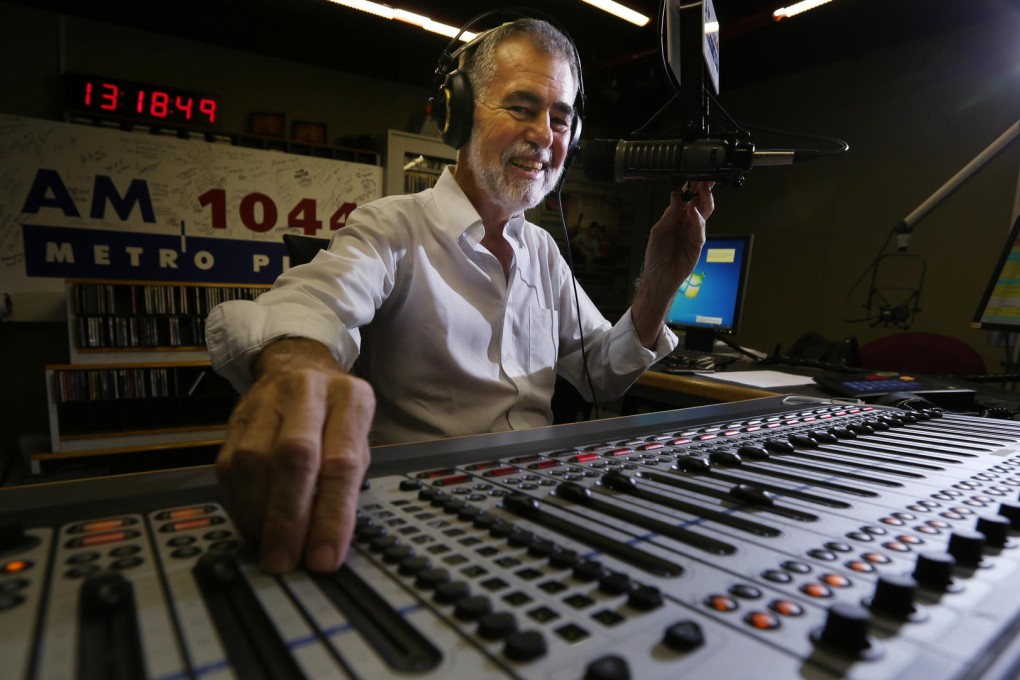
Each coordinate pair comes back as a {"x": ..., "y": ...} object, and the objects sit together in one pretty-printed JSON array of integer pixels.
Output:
[
  {"x": 387, "y": 12},
  {"x": 618, "y": 10},
  {"x": 797, "y": 8}
]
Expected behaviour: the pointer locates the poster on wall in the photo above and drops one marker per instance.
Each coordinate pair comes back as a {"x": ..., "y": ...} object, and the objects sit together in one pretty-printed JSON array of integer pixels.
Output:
[{"x": 95, "y": 203}]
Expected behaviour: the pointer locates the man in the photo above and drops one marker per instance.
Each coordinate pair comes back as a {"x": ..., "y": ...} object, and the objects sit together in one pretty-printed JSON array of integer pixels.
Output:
[{"x": 458, "y": 311}]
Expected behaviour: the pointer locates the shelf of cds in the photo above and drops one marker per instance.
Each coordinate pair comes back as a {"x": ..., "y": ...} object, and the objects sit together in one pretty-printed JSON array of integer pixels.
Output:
[
  {"x": 99, "y": 407},
  {"x": 146, "y": 320},
  {"x": 140, "y": 378}
]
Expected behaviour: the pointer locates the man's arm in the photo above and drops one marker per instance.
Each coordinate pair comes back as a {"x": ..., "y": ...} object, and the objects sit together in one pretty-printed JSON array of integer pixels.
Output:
[
  {"x": 674, "y": 245},
  {"x": 295, "y": 454}
]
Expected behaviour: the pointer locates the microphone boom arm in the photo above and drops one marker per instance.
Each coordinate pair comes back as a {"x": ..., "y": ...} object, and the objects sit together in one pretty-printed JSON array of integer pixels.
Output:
[{"x": 906, "y": 227}]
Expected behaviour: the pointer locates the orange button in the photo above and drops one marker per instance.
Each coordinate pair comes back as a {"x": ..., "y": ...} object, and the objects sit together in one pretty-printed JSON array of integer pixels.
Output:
[
  {"x": 15, "y": 566},
  {"x": 762, "y": 620},
  {"x": 786, "y": 607},
  {"x": 721, "y": 603},
  {"x": 835, "y": 580},
  {"x": 816, "y": 590}
]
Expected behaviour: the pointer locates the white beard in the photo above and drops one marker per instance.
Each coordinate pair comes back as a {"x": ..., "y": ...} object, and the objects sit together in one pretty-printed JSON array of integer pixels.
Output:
[{"x": 515, "y": 195}]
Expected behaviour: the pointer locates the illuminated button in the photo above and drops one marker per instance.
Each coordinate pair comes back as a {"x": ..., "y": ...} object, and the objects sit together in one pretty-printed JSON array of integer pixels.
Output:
[
  {"x": 938, "y": 524},
  {"x": 762, "y": 620},
  {"x": 102, "y": 525},
  {"x": 190, "y": 524},
  {"x": 187, "y": 513},
  {"x": 860, "y": 566},
  {"x": 584, "y": 457},
  {"x": 453, "y": 480},
  {"x": 892, "y": 521},
  {"x": 15, "y": 566},
  {"x": 102, "y": 539},
  {"x": 896, "y": 546},
  {"x": 816, "y": 590},
  {"x": 721, "y": 603},
  {"x": 925, "y": 529},
  {"x": 435, "y": 474},
  {"x": 835, "y": 580},
  {"x": 876, "y": 558},
  {"x": 786, "y": 607},
  {"x": 909, "y": 539}
]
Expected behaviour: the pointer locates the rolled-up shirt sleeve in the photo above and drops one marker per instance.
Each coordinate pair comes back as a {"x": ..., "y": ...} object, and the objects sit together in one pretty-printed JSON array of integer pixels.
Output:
[{"x": 238, "y": 331}]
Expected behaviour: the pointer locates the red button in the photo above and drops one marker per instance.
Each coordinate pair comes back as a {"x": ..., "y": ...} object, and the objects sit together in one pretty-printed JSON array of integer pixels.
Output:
[
  {"x": 762, "y": 620},
  {"x": 721, "y": 603}
]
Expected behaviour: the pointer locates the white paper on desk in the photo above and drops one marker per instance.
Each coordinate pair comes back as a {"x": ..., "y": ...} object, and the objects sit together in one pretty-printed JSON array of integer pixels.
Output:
[{"x": 763, "y": 379}]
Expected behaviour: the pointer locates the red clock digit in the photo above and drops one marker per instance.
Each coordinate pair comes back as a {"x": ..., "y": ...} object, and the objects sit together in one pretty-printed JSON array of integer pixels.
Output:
[
  {"x": 159, "y": 104},
  {"x": 184, "y": 104},
  {"x": 208, "y": 107},
  {"x": 109, "y": 97}
]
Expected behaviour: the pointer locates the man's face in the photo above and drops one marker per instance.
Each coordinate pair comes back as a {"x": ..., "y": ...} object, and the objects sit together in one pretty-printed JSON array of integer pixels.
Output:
[{"x": 522, "y": 127}]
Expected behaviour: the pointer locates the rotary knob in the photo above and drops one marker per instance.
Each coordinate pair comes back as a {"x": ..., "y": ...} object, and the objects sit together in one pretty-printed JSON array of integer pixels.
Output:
[{"x": 846, "y": 631}]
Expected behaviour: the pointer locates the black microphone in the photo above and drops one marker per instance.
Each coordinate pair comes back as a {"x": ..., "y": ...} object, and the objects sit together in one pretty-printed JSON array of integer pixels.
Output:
[{"x": 719, "y": 159}]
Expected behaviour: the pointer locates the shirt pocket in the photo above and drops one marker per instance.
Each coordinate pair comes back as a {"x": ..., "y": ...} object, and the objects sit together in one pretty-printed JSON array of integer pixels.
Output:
[{"x": 543, "y": 342}]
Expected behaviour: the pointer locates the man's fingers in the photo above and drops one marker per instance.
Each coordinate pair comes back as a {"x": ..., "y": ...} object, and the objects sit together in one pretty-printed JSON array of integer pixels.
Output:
[
  {"x": 345, "y": 459},
  {"x": 296, "y": 465}
]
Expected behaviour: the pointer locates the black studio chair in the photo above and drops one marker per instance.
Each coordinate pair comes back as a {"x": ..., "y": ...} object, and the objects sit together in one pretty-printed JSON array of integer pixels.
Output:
[{"x": 302, "y": 249}]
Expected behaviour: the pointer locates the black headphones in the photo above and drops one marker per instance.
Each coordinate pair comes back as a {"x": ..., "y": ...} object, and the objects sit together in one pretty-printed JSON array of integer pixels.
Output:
[{"x": 453, "y": 105}]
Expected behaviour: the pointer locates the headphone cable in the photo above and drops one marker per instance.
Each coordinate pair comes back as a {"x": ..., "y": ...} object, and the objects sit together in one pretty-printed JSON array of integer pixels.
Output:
[{"x": 577, "y": 302}]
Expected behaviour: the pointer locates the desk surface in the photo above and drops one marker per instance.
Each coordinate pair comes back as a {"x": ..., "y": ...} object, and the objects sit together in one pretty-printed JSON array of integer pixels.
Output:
[
  {"x": 709, "y": 387},
  {"x": 701, "y": 386}
]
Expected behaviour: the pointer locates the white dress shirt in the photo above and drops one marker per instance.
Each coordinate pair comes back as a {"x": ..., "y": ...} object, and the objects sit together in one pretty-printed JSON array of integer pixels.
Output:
[{"x": 450, "y": 344}]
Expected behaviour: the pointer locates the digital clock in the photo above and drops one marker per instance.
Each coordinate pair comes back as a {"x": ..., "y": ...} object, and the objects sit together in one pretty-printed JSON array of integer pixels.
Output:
[{"x": 139, "y": 101}]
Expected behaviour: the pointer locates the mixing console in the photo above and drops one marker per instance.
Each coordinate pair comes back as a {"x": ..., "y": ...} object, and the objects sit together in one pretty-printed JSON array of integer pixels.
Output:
[{"x": 765, "y": 539}]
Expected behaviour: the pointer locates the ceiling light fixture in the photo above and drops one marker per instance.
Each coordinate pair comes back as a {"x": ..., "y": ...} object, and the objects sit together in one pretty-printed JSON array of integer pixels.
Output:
[
  {"x": 797, "y": 8},
  {"x": 618, "y": 10},
  {"x": 421, "y": 21}
]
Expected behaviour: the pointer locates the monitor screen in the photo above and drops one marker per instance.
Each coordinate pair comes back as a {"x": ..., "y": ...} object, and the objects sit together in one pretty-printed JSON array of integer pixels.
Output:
[
  {"x": 711, "y": 299},
  {"x": 1000, "y": 305}
]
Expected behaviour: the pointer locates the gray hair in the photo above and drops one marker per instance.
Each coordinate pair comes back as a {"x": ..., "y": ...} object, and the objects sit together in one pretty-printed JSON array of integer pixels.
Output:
[{"x": 479, "y": 62}]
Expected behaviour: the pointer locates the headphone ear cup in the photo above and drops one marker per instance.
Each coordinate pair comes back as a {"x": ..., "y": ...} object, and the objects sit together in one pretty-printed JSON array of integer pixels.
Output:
[
  {"x": 456, "y": 109},
  {"x": 575, "y": 142}
]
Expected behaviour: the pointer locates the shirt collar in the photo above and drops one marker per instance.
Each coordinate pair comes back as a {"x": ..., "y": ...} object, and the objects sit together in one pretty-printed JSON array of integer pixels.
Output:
[{"x": 462, "y": 218}]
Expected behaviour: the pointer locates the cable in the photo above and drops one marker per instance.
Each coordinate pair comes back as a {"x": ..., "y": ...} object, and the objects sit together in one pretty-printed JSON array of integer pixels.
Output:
[{"x": 577, "y": 303}]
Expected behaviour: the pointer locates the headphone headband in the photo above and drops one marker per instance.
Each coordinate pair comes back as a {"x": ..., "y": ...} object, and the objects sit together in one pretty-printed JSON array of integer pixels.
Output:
[{"x": 453, "y": 105}]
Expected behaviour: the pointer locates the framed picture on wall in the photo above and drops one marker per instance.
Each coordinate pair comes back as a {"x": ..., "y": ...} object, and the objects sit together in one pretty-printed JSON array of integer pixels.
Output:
[
  {"x": 267, "y": 124},
  {"x": 309, "y": 132}
]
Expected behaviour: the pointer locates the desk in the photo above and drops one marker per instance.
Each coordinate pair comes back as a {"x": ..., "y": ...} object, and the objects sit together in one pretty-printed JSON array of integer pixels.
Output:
[{"x": 671, "y": 390}]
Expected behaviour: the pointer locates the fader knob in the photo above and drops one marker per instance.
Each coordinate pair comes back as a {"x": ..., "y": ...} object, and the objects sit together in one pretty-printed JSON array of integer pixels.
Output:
[
  {"x": 525, "y": 645},
  {"x": 966, "y": 547},
  {"x": 935, "y": 570},
  {"x": 894, "y": 596},
  {"x": 846, "y": 631},
  {"x": 684, "y": 636},
  {"x": 995, "y": 529},
  {"x": 1011, "y": 511},
  {"x": 611, "y": 667}
]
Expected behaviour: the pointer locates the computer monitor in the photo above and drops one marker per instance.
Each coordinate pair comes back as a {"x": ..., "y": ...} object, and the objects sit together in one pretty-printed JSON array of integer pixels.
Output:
[
  {"x": 711, "y": 300},
  {"x": 1000, "y": 305}
]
